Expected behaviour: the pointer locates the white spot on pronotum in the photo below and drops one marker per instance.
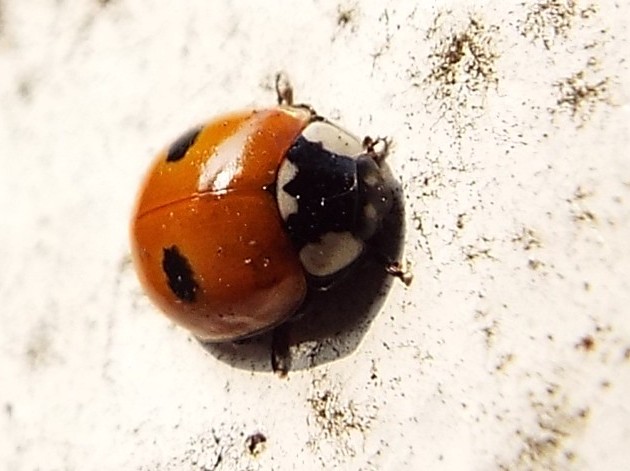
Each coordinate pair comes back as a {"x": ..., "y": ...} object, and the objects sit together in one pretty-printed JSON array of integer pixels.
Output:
[
  {"x": 334, "y": 252},
  {"x": 287, "y": 204},
  {"x": 333, "y": 138}
]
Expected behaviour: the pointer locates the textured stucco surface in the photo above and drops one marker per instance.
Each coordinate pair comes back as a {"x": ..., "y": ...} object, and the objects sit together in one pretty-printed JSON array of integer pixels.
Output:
[{"x": 511, "y": 348}]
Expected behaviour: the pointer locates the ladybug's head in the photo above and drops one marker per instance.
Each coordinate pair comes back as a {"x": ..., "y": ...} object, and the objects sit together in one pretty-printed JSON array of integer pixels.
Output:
[{"x": 333, "y": 195}]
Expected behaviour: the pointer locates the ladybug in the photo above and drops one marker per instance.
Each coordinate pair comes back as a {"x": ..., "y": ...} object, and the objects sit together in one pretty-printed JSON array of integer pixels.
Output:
[{"x": 239, "y": 218}]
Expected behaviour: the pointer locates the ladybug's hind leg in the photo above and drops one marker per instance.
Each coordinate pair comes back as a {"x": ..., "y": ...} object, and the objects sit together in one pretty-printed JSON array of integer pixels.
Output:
[{"x": 280, "y": 349}]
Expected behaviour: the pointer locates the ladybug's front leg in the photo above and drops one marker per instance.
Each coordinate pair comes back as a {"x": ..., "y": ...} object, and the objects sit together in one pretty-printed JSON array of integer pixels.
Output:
[
  {"x": 376, "y": 148},
  {"x": 284, "y": 90}
]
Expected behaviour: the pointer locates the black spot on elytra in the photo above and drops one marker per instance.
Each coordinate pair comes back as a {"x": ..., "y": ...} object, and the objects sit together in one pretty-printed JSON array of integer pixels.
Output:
[
  {"x": 178, "y": 149},
  {"x": 179, "y": 274}
]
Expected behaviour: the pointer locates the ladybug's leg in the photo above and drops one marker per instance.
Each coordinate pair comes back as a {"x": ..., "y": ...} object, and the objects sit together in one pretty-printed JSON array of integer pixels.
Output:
[
  {"x": 400, "y": 271},
  {"x": 392, "y": 267},
  {"x": 284, "y": 95},
  {"x": 284, "y": 90},
  {"x": 376, "y": 148},
  {"x": 280, "y": 353}
]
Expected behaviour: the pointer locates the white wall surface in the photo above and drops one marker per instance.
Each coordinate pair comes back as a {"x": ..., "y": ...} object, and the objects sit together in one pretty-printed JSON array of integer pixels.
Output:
[{"x": 511, "y": 348}]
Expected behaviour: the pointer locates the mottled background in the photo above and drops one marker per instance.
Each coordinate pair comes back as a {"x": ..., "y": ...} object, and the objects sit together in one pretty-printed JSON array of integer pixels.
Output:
[{"x": 511, "y": 348}]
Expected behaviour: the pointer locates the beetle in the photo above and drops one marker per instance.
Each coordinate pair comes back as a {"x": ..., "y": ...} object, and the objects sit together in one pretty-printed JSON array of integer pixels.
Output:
[{"x": 239, "y": 218}]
